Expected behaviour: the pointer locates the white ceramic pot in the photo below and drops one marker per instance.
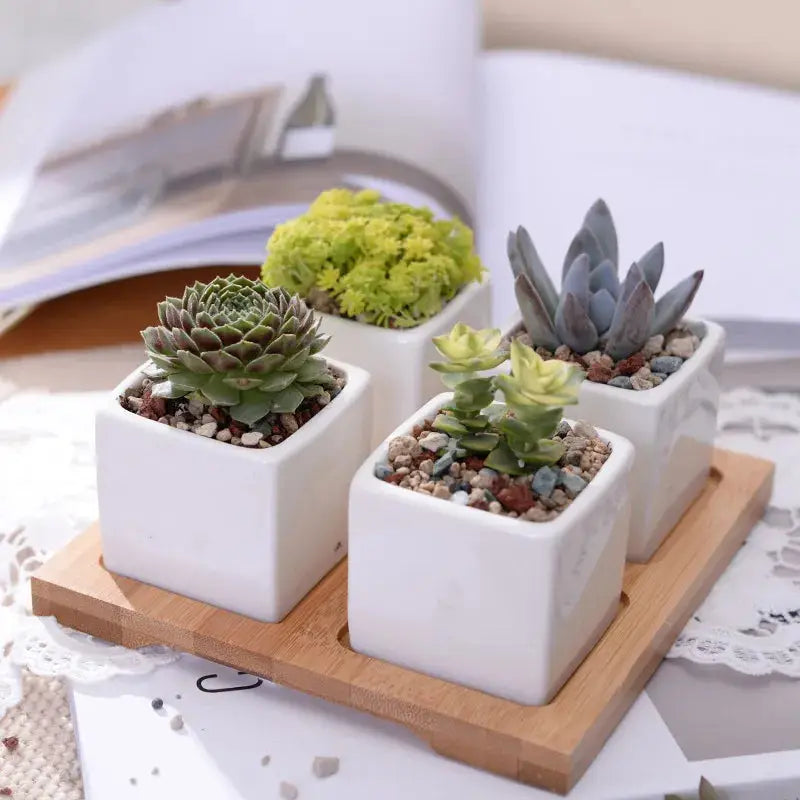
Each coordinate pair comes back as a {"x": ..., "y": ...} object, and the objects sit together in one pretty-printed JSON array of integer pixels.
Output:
[
  {"x": 672, "y": 427},
  {"x": 250, "y": 530},
  {"x": 503, "y": 605},
  {"x": 398, "y": 359}
]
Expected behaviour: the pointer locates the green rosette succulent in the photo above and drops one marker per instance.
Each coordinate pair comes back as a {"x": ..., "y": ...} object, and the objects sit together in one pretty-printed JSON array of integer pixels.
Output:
[{"x": 235, "y": 342}]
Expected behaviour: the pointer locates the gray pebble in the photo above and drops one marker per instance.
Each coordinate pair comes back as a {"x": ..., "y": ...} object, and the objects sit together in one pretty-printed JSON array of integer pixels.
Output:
[
  {"x": 207, "y": 430},
  {"x": 133, "y": 781},
  {"x": 573, "y": 484},
  {"x": 621, "y": 382},
  {"x": 443, "y": 464},
  {"x": 668, "y": 364},
  {"x": 325, "y": 766},
  {"x": 660, "y": 375},
  {"x": 564, "y": 429},
  {"x": 155, "y": 771},
  {"x": 206, "y": 418},
  {"x": 460, "y": 497},
  {"x": 265, "y": 760},
  {"x": 434, "y": 441},
  {"x": 157, "y": 703},
  {"x": 544, "y": 481},
  {"x": 382, "y": 470},
  {"x": 573, "y": 457},
  {"x": 289, "y": 422},
  {"x": 251, "y": 438},
  {"x": 288, "y": 791},
  {"x": 196, "y": 409},
  {"x": 584, "y": 429},
  {"x": 640, "y": 384},
  {"x": 176, "y": 723},
  {"x": 224, "y": 435}
]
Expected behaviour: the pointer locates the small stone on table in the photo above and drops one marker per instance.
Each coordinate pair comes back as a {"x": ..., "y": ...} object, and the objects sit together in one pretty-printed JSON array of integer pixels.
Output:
[
  {"x": 325, "y": 766},
  {"x": 288, "y": 791}
]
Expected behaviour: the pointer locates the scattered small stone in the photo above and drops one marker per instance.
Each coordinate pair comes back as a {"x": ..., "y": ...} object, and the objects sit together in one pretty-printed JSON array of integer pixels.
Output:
[
  {"x": 207, "y": 430},
  {"x": 440, "y": 490},
  {"x": 518, "y": 497},
  {"x": 382, "y": 470},
  {"x": 544, "y": 481},
  {"x": 592, "y": 356},
  {"x": 434, "y": 441},
  {"x": 460, "y": 497},
  {"x": 667, "y": 364},
  {"x": 224, "y": 435},
  {"x": 289, "y": 422},
  {"x": 288, "y": 791},
  {"x": 155, "y": 771},
  {"x": 599, "y": 373},
  {"x": 443, "y": 464},
  {"x": 621, "y": 382},
  {"x": 251, "y": 438},
  {"x": 401, "y": 445},
  {"x": 157, "y": 703},
  {"x": 177, "y": 697},
  {"x": 404, "y": 460},
  {"x": 206, "y": 418},
  {"x": 653, "y": 346},
  {"x": 583, "y": 429},
  {"x": 6, "y": 791},
  {"x": 630, "y": 365},
  {"x": 681, "y": 347},
  {"x": 495, "y": 507},
  {"x": 640, "y": 384},
  {"x": 325, "y": 766},
  {"x": 164, "y": 420},
  {"x": 662, "y": 376},
  {"x": 537, "y": 514},
  {"x": 176, "y": 723},
  {"x": 564, "y": 429},
  {"x": 573, "y": 484},
  {"x": 134, "y": 403},
  {"x": 485, "y": 478},
  {"x": 573, "y": 457},
  {"x": 133, "y": 781},
  {"x": 562, "y": 352},
  {"x": 11, "y": 743},
  {"x": 426, "y": 466},
  {"x": 265, "y": 760},
  {"x": 264, "y": 444}
]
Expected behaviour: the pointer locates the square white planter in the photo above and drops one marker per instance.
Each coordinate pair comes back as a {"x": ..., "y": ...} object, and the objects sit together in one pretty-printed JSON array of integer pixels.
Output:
[
  {"x": 503, "y": 605},
  {"x": 247, "y": 529},
  {"x": 672, "y": 427},
  {"x": 398, "y": 359}
]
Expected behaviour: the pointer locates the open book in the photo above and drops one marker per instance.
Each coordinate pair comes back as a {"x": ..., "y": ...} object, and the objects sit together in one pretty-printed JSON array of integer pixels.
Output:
[{"x": 184, "y": 135}]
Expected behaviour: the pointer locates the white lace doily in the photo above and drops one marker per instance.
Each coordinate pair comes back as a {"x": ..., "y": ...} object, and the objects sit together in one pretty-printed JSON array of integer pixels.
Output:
[
  {"x": 47, "y": 496},
  {"x": 751, "y": 619}
]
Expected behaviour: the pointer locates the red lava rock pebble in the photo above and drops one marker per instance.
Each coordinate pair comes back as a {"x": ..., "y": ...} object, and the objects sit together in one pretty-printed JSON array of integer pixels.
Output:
[
  {"x": 516, "y": 497},
  {"x": 599, "y": 373},
  {"x": 393, "y": 478},
  {"x": 11, "y": 743},
  {"x": 630, "y": 365},
  {"x": 416, "y": 431},
  {"x": 6, "y": 792},
  {"x": 474, "y": 463},
  {"x": 481, "y": 504}
]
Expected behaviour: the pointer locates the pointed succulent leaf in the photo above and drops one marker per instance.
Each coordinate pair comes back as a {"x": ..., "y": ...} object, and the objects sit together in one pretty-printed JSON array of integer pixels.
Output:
[
  {"x": 285, "y": 344},
  {"x": 312, "y": 368},
  {"x": 502, "y": 459},
  {"x": 604, "y": 276},
  {"x": 184, "y": 342},
  {"x": 220, "y": 361},
  {"x": 574, "y": 327},
  {"x": 319, "y": 342},
  {"x": 675, "y": 303},
  {"x": 206, "y": 339},
  {"x": 220, "y": 393},
  {"x": 535, "y": 316},
  {"x": 601, "y": 310},
  {"x": 297, "y": 360},
  {"x": 576, "y": 280},
  {"x": 631, "y": 328},
  {"x": 167, "y": 363},
  {"x": 479, "y": 442},
  {"x": 260, "y": 334},
  {"x": 309, "y": 389},
  {"x": 525, "y": 261},
  {"x": 161, "y": 311},
  {"x": 204, "y": 320},
  {"x": 477, "y": 423},
  {"x": 651, "y": 264},
  {"x": 449, "y": 424},
  {"x": 189, "y": 381},
  {"x": 266, "y": 363},
  {"x": 286, "y": 401},
  {"x": 252, "y": 406},
  {"x": 584, "y": 242},
  {"x": 633, "y": 278},
  {"x": 707, "y": 791},
  {"x": 194, "y": 363},
  {"x": 242, "y": 382},
  {"x": 228, "y": 334},
  {"x": 276, "y": 381},
  {"x": 244, "y": 351},
  {"x": 548, "y": 451},
  {"x": 599, "y": 221}
]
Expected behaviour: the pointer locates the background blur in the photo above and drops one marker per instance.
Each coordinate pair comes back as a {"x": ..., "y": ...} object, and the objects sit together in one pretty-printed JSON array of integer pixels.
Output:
[{"x": 743, "y": 39}]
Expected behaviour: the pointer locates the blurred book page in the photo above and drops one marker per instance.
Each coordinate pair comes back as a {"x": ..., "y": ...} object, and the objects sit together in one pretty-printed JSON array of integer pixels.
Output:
[
  {"x": 216, "y": 118},
  {"x": 710, "y": 168}
]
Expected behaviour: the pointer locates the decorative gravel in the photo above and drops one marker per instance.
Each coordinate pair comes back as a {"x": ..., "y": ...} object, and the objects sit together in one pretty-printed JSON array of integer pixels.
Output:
[
  {"x": 661, "y": 357},
  {"x": 430, "y": 462},
  {"x": 215, "y": 422}
]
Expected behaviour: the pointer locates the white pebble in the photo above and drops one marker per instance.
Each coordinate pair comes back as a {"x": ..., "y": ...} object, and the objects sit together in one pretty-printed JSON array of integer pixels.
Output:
[
  {"x": 164, "y": 420},
  {"x": 495, "y": 507},
  {"x": 584, "y": 429},
  {"x": 135, "y": 403},
  {"x": 196, "y": 409},
  {"x": 434, "y": 441},
  {"x": 265, "y": 760},
  {"x": 325, "y": 766},
  {"x": 252, "y": 438},
  {"x": 288, "y": 791},
  {"x": 182, "y": 426},
  {"x": 176, "y": 723},
  {"x": 236, "y": 440},
  {"x": 207, "y": 418},
  {"x": 208, "y": 429},
  {"x": 224, "y": 435},
  {"x": 461, "y": 498},
  {"x": 290, "y": 424}
]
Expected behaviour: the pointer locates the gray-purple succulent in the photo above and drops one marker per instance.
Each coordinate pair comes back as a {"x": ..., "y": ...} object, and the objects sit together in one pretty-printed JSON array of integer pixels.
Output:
[{"x": 594, "y": 311}]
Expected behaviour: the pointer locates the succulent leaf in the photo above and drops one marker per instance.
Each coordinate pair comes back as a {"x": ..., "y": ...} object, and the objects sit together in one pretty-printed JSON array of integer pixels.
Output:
[
  {"x": 599, "y": 221},
  {"x": 651, "y": 264},
  {"x": 631, "y": 328},
  {"x": 601, "y": 310},
  {"x": 673, "y": 305},
  {"x": 223, "y": 340},
  {"x": 576, "y": 280},
  {"x": 535, "y": 316},
  {"x": 604, "y": 276},
  {"x": 525, "y": 260},
  {"x": 584, "y": 242},
  {"x": 573, "y": 325}
]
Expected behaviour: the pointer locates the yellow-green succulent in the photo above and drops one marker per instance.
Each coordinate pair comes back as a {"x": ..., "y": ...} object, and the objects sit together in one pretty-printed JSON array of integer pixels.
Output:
[
  {"x": 469, "y": 350},
  {"x": 387, "y": 264}
]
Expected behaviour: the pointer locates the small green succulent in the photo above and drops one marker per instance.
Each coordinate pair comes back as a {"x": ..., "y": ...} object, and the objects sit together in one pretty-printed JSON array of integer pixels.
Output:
[
  {"x": 594, "y": 311},
  {"x": 386, "y": 264},
  {"x": 520, "y": 438},
  {"x": 235, "y": 342}
]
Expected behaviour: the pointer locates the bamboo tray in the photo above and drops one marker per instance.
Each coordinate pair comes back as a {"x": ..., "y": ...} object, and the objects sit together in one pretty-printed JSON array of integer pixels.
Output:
[{"x": 549, "y": 746}]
